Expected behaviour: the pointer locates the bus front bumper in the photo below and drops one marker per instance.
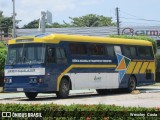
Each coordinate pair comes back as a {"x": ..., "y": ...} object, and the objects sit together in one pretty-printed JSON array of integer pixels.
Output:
[{"x": 40, "y": 88}]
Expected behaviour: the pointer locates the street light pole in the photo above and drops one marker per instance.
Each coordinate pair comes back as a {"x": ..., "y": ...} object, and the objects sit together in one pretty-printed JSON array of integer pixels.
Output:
[{"x": 14, "y": 21}]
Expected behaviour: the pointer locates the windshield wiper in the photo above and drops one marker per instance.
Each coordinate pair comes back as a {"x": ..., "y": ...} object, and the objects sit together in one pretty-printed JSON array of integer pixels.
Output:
[
  {"x": 25, "y": 59},
  {"x": 12, "y": 62}
]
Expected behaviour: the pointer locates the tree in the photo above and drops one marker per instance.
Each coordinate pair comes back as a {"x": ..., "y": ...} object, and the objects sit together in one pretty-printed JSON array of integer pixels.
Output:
[
  {"x": 58, "y": 25},
  {"x": 3, "y": 52},
  {"x": 32, "y": 24},
  {"x": 6, "y": 23},
  {"x": 55, "y": 25},
  {"x": 1, "y": 16},
  {"x": 92, "y": 20}
]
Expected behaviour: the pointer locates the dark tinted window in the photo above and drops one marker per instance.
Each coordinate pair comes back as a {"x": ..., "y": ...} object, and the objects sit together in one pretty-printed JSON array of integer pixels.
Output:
[
  {"x": 79, "y": 49},
  {"x": 145, "y": 51},
  {"x": 97, "y": 49},
  {"x": 129, "y": 51},
  {"x": 50, "y": 55},
  {"x": 60, "y": 54},
  {"x": 133, "y": 51},
  {"x": 110, "y": 51}
]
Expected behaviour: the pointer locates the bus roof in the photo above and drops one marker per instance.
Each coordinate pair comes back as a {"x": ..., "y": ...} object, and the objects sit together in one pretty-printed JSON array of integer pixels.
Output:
[{"x": 57, "y": 38}]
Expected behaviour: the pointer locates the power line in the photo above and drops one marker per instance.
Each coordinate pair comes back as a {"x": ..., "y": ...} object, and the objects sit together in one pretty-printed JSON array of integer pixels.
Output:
[
  {"x": 129, "y": 14},
  {"x": 141, "y": 19},
  {"x": 137, "y": 18}
]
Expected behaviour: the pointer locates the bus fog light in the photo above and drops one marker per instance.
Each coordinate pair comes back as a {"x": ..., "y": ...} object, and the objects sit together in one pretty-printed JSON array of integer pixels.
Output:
[{"x": 5, "y": 80}]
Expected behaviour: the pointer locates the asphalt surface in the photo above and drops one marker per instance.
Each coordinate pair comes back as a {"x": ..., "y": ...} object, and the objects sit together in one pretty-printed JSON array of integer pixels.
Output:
[{"x": 148, "y": 96}]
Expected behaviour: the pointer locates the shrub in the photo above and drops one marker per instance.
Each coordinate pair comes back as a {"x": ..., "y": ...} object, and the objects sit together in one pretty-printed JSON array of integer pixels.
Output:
[
  {"x": 82, "y": 112},
  {"x": 3, "y": 52}
]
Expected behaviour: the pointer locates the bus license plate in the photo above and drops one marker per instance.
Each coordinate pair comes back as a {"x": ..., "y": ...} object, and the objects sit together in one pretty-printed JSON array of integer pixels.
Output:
[{"x": 19, "y": 89}]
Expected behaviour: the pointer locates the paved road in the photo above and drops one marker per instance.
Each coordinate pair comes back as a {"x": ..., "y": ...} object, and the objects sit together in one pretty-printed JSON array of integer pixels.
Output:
[{"x": 148, "y": 97}]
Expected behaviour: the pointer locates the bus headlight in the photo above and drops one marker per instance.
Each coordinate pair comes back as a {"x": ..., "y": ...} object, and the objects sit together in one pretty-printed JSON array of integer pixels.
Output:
[
  {"x": 33, "y": 80},
  {"x": 36, "y": 80}
]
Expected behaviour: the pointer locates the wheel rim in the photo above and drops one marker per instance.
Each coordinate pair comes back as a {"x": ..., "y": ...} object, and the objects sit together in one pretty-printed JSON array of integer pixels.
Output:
[
  {"x": 65, "y": 88},
  {"x": 132, "y": 84}
]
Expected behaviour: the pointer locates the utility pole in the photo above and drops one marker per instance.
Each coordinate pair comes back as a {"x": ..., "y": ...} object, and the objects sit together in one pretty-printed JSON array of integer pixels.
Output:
[
  {"x": 118, "y": 26},
  {"x": 14, "y": 21}
]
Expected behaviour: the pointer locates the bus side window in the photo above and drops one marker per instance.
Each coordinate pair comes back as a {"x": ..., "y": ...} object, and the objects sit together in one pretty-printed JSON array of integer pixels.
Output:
[
  {"x": 133, "y": 51},
  {"x": 149, "y": 52},
  {"x": 97, "y": 49},
  {"x": 50, "y": 55},
  {"x": 110, "y": 51},
  {"x": 126, "y": 51},
  {"x": 142, "y": 51},
  {"x": 60, "y": 56},
  {"x": 78, "y": 49},
  {"x": 145, "y": 52}
]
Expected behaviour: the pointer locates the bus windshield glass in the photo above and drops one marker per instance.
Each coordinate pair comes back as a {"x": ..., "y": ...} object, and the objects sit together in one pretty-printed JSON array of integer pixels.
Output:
[{"x": 25, "y": 54}]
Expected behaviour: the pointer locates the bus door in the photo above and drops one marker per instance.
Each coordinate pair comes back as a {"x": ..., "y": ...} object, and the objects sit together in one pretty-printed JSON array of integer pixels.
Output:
[{"x": 56, "y": 63}]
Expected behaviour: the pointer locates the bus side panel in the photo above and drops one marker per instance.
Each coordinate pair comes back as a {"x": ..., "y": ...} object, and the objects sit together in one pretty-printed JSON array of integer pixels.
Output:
[{"x": 94, "y": 80}]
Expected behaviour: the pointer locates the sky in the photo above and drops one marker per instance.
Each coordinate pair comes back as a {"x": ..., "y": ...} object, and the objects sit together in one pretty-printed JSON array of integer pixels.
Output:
[{"x": 132, "y": 12}]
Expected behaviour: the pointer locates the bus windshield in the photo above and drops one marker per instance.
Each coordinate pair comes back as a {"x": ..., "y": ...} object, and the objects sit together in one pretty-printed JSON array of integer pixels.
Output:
[{"x": 25, "y": 54}]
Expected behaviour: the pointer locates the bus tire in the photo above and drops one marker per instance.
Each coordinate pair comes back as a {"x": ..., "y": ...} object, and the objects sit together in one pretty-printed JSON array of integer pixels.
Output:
[
  {"x": 31, "y": 95},
  {"x": 102, "y": 91},
  {"x": 131, "y": 84},
  {"x": 63, "y": 89}
]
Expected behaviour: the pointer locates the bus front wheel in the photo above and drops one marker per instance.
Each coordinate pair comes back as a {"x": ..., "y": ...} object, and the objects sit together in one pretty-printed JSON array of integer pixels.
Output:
[
  {"x": 31, "y": 95},
  {"x": 63, "y": 89}
]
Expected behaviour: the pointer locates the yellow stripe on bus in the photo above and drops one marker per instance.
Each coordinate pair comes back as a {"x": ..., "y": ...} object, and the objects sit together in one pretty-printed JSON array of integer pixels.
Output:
[
  {"x": 130, "y": 68},
  {"x": 137, "y": 68},
  {"x": 144, "y": 67},
  {"x": 151, "y": 67},
  {"x": 57, "y": 38},
  {"x": 81, "y": 66}
]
